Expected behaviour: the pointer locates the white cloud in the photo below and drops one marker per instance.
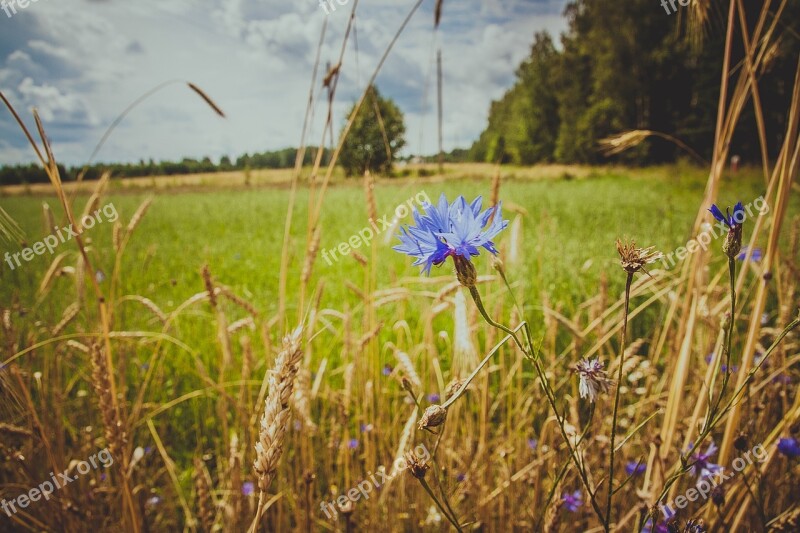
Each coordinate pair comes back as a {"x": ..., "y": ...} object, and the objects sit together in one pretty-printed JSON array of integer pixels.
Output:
[{"x": 82, "y": 63}]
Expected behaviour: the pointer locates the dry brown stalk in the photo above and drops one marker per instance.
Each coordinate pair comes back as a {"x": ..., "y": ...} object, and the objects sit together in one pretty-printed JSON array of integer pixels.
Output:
[
  {"x": 114, "y": 431},
  {"x": 269, "y": 447}
]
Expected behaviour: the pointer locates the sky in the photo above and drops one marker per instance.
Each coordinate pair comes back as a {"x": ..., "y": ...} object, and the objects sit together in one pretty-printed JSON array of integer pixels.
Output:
[{"x": 80, "y": 63}]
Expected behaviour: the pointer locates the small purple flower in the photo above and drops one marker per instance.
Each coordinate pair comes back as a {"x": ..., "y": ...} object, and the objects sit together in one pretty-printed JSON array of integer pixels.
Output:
[
  {"x": 248, "y": 488},
  {"x": 701, "y": 466},
  {"x": 755, "y": 256},
  {"x": 433, "y": 397},
  {"x": 733, "y": 241},
  {"x": 724, "y": 368},
  {"x": 789, "y": 447},
  {"x": 461, "y": 477},
  {"x": 709, "y": 358},
  {"x": 366, "y": 428},
  {"x": 533, "y": 444},
  {"x": 634, "y": 468},
  {"x": 572, "y": 502},
  {"x": 352, "y": 444},
  {"x": 730, "y": 220},
  {"x": 387, "y": 370},
  {"x": 659, "y": 528}
]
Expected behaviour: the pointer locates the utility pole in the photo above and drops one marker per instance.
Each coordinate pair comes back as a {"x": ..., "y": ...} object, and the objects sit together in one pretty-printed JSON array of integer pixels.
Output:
[{"x": 439, "y": 78}]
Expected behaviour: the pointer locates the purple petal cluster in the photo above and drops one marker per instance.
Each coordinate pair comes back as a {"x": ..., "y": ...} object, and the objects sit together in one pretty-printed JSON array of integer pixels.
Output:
[
  {"x": 572, "y": 501},
  {"x": 702, "y": 467},
  {"x": 448, "y": 230},
  {"x": 729, "y": 220},
  {"x": 789, "y": 447}
]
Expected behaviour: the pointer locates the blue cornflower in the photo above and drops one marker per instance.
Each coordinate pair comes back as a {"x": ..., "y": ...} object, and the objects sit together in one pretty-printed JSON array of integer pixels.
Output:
[
  {"x": 701, "y": 466},
  {"x": 455, "y": 230},
  {"x": 634, "y": 468},
  {"x": 730, "y": 220},
  {"x": 461, "y": 477},
  {"x": 433, "y": 398},
  {"x": 248, "y": 488},
  {"x": 366, "y": 428},
  {"x": 352, "y": 444},
  {"x": 387, "y": 370},
  {"x": 755, "y": 256},
  {"x": 789, "y": 447},
  {"x": 533, "y": 444},
  {"x": 733, "y": 241},
  {"x": 572, "y": 502}
]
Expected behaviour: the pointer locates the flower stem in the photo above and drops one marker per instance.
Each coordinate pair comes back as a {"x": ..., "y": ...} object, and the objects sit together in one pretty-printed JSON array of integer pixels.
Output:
[
  {"x": 529, "y": 353},
  {"x": 616, "y": 402}
]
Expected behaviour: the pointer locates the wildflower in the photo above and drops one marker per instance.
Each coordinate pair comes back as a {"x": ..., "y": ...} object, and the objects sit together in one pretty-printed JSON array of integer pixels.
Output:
[
  {"x": 352, "y": 444},
  {"x": 659, "y": 528},
  {"x": 455, "y": 230},
  {"x": 432, "y": 417},
  {"x": 433, "y": 397},
  {"x": 461, "y": 477},
  {"x": 248, "y": 488},
  {"x": 634, "y": 468},
  {"x": 593, "y": 378},
  {"x": 789, "y": 447},
  {"x": 533, "y": 444},
  {"x": 733, "y": 241},
  {"x": 633, "y": 259},
  {"x": 387, "y": 370},
  {"x": 572, "y": 502},
  {"x": 417, "y": 468},
  {"x": 755, "y": 256},
  {"x": 701, "y": 466},
  {"x": 366, "y": 428}
]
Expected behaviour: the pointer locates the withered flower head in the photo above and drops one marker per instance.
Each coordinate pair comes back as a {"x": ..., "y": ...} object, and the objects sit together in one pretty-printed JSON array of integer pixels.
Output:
[
  {"x": 416, "y": 467},
  {"x": 453, "y": 387},
  {"x": 593, "y": 378},
  {"x": 432, "y": 417},
  {"x": 633, "y": 259}
]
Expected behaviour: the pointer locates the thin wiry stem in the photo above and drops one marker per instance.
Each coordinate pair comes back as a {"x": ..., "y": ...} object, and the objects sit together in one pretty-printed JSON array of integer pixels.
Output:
[
  {"x": 529, "y": 354},
  {"x": 628, "y": 282}
]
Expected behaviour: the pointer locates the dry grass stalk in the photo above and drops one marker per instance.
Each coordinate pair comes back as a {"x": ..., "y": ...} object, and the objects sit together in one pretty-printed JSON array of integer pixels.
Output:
[
  {"x": 69, "y": 314},
  {"x": 369, "y": 191},
  {"x": 206, "y": 98},
  {"x": 202, "y": 487},
  {"x": 311, "y": 256},
  {"x": 241, "y": 302},
  {"x": 465, "y": 355},
  {"x": 9, "y": 229},
  {"x": 114, "y": 432},
  {"x": 269, "y": 447},
  {"x": 49, "y": 219},
  {"x": 137, "y": 217}
]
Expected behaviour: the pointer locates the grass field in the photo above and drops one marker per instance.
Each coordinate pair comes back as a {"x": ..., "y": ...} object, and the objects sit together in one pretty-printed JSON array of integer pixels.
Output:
[{"x": 192, "y": 373}]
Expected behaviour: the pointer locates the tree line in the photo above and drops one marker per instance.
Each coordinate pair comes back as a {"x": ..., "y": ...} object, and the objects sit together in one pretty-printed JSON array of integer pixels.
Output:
[
  {"x": 285, "y": 158},
  {"x": 628, "y": 65}
]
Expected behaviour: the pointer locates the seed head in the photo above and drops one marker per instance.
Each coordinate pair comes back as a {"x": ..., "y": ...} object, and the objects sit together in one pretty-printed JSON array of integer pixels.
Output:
[
  {"x": 633, "y": 259},
  {"x": 432, "y": 417},
  {"x": 416, "y": 467},
  {"x": 593, "y": 378}
]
